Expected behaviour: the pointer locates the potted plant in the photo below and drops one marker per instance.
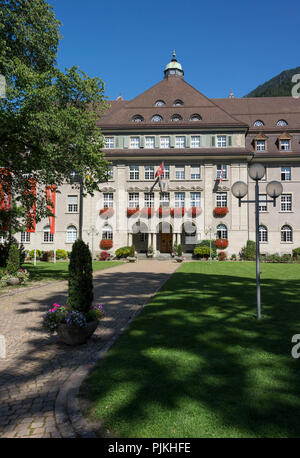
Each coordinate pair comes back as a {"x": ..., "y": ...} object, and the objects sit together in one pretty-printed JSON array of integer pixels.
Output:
[
  {"x": 222, "y": 256},
  {"x": 179, "y": 257},
  {"x": 220, "y": 211},
  {"x": 76, "y": 321},
  {"x": 150, "y": 252},
  {"x": 177, "y": 212},
  {"x": 132, "y": 256}
]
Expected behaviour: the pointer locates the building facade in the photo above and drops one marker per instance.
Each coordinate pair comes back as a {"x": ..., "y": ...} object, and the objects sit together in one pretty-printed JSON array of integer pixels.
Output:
[{"x": 205, "y": 145}]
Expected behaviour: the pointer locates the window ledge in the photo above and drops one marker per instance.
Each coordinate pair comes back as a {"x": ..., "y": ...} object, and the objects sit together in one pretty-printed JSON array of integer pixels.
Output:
[
  {"x": 284, "y": 243},
  {"x": 288, "y": 211}
]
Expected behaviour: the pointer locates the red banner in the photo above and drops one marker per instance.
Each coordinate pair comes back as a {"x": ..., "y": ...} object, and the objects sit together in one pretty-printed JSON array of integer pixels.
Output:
[
  {"x": 160, "y": 170},
  {"x": 5, "y": 198},
  {"x": 31, "y": 212},
  {"x": 51, "y": 197}
]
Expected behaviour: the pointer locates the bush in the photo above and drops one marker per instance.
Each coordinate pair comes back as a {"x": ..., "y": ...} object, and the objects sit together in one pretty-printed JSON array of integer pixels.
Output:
[
  {"x": 205, "y": 243},
  {"x": 201, "y": 251},
  {"x": 233, "y": 257},
  {"x": 286, "y": 258},
  {"x": 38, "y": 254},
  {"x": 248, "y": 252},
  {"x": 104, "y": 255},
  {"x": 179, "y": 251},
  {"x": 80, "y": 293},
  {"x": 61, "y": 254},
  {"x": 13, "y": 261},
  {"x": 4, "y": 250},
  {"x": 222, "y": 256},
  {"x": 132, "y": 251},
  {"x": 123, "y": 252},
  {"x": 296, "y": 253}
]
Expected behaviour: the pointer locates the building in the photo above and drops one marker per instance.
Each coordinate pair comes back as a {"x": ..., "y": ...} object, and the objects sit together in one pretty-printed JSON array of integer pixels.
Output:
[{"x": 198, "y": 139}]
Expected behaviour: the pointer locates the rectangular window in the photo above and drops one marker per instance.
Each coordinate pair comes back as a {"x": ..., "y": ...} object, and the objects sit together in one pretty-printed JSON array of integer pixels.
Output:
[
  {"x": 262, "y": 205},
  {"x": 134, "y": 142},
  {"x": 109, "y": 142},
  {"x": 179, "y": 199},
  {"x": 111, "y": 172},
  {"x": 149, "y": 172},
  {"x": 195, "y": 199},
  {"x": 133, "y": 200},
  {"x": 72, "y": 204},
  {"x": 149, "y": 199},
  {"x": 286, "y": 202},
  {"x": 165, "y": 142},
  {"x": 179, "y": 172},
  {"x": 286, "y": 174},
  {"x": 260, "y": 145},
  {"x": 221, "y": 167},
  {"x": 285, "y": 145},
  {"x": 166, "y": 173},
  {"x": 195, "y": 172},
  {"x": 134, "y": 173},
  {"x": 179, "y": 142},
  {"x": 108, "y": 200},
  {"x": 195, "y": 141},
  {"x": 221, "y": 199},
  {"x": 149, "y": 142},
  {"x": 164, "y": 199},
  {"x": 25, "y": 237},
  {"x": 47, "y": 236},
  {"x": 221, "y": 141}
]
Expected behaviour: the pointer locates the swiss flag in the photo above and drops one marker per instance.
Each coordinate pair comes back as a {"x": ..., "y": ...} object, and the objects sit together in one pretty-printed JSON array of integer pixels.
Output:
[{"x": 160, "y": 170}]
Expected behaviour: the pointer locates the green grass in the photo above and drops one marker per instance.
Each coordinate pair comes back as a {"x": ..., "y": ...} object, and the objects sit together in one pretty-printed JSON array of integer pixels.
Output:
[{"x": 197, "y": 363}]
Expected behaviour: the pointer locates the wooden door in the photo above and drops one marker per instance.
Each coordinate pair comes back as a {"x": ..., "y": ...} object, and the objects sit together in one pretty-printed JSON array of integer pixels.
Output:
[{"x": 165, "y": 243}]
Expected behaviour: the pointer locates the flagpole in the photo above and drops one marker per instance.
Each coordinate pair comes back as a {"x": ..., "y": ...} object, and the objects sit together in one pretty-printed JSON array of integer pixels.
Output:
[
  {"x": 34, "y": 257},
  {"x": 54, "y": 236}
]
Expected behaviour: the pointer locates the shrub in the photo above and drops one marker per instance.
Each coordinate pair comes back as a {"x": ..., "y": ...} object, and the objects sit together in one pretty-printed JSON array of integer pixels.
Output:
[
  {"x": 61, "y": 254},
  {"x": 248, "y": 252},
  {"x": 4, "y": 250},
  {"x": 132, "y": 251},
  {"x": 106, "y": 244},
  {"x": 201, "y": 251},
  {"x": 205, "y": 243},
  {"x": 286, "y": 258},
  {"x": 296, "y": 253},
  {"x": 233, "y": 257},
  {"x": 123, "y": 252},
  {"x": 45, "y": 256},
  {"x": 222, "y": 256},
  {"x": 221, "y": 243},
  {"x": 104, "y": 255},
  {"x": 179, "y": 251},
  {"x": 80, "y": 294},
  {"x": 38, "y": 254},
  {"x": 13, "y": 261}
]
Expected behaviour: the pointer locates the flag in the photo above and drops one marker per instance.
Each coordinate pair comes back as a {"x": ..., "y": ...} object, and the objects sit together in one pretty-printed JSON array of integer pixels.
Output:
[
  {"x": 51, "y": 197},
  {"x": 31, "y": 211},
  {"x": 5, "y": 198},
  {"x": 221, "y": 175},
  {"x": 160, "y": 170}
]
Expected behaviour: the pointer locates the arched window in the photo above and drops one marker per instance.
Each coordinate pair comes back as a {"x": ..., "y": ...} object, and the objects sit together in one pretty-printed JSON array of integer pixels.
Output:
[
  {"x": 176, "y": 117},
  {"x": 47, "y": 237},
  {"x": 137, "y": 118},
  {"x": 159, "y": 103},
  {"x": 286, "y": 234},
  {"x": 195, "y": 117},
  {"x": 258, "y": 123},
  {"x": 71, "y": 234},
  {"x": 222, "y": 232},
  {"x": 178, "y": 103},
  {"x": 281, "y": 123},
  {"x": 263, "y": 234},
  {"x": 107, "y": 232},
  {"x": 156, "y": 118}
]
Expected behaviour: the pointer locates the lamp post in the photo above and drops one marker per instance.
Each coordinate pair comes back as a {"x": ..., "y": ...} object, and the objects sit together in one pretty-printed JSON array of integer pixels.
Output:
[
  {"x": 93, "y": 231},
  {"x": 78, "y": 179},
  {"x": 209, "y": 231},
  {"x": 239, "y": 189}
]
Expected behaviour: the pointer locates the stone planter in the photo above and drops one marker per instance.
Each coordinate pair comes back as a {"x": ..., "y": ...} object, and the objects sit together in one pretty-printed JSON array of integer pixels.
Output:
[
  {"x": 178, "y": 259},
  {"x": 13, "y": 281},
  {"x": 72, "y": 335},
  {"x": 130, "y": 259}
]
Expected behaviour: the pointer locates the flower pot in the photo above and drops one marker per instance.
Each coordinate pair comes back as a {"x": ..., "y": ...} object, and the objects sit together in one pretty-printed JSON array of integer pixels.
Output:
[
  {"x": 178, "y": 258},
  {"x": 73, "y": 335},
  {"x": 131, "y": 259},
  {"x": 13, "y": 281}
]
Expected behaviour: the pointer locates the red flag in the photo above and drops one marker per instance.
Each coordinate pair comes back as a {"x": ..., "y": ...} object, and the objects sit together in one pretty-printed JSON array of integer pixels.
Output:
[
  {"x": 5, "y": 197},
  {"x": 160, "y": 170},
  {"x": 221, "y": 175},
  {"x": 51, "y": 197},
  {"x": 31, "y": 212}
]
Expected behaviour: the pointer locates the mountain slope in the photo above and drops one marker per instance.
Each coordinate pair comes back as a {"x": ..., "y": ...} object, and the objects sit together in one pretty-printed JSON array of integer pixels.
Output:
[{"x": 280, "y": 85}]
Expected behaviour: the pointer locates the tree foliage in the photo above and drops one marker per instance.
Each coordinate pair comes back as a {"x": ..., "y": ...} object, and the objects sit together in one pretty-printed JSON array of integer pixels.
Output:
[
  {"x": 48, "y": 117},
  {"x": 13, "y": 261}
]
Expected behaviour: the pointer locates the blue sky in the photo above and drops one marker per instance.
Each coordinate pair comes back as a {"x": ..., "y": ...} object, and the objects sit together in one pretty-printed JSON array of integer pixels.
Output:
[{"x": 221, "y": 45}]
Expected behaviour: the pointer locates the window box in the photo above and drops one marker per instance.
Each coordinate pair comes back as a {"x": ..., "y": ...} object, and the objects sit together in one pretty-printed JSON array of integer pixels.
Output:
[
  {"x": 107, "y": 212},
  {"x": 177, "y": 212},
  {"x": 132, "y": 211},
  {"x": 194, "y": 211},
  {"x": 221, "y": 244},
  {"x": 221, "y": 211},
  {"x": 106, "y": 244},
  {"x": 147, "y": 212}
]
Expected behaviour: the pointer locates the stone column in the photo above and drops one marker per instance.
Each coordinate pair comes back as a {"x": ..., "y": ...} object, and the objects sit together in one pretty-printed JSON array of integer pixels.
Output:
[{"x": 154, "y": 242}]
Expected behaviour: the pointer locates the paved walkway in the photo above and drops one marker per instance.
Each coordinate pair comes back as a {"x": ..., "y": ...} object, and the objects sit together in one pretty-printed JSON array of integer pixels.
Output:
[{"x": 38, "y": 369}]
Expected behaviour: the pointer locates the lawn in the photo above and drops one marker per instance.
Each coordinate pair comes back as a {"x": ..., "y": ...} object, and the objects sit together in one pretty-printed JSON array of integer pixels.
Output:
[{"x": 197, "y": 363}]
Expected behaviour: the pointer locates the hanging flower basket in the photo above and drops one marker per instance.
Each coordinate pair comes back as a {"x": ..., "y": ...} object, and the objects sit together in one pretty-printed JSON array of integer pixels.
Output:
[
  {"x": 106, "y": 212},
  {"x": 132, "y": 211},
  {"x": 221, "y": 244},
  {"x": 177, "y": 212},
  {"x": 194, "y": 211},
  {"x": 106, "y": 244},
  {"x": 147, "y": 212},
  {"x": 221, "y": 211},
  {"x": 163, "y": 211}
]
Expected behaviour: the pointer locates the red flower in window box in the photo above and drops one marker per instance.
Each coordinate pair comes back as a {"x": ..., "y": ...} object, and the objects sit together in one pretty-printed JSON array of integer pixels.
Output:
[
  {"x": 132, "y": 211},
  {"x": 194, "y": 211},
  {"x": 147, "y": 212},
  {"x": 163, "y": 211},
  {"x": 107, "y": 212},
  {"x": 221, "y": 211},
  {"x": 178, "y": 211},
  {"x": 221, "y": 244},
  {"x": 106, "y": 244}
]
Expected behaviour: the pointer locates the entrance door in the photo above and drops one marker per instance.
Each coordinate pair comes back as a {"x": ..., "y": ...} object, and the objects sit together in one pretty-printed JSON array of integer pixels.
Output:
[{"x": 165, "y": 243}]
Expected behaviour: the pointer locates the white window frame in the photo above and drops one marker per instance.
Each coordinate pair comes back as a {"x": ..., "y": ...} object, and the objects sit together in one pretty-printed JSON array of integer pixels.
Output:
[
  {"x": 219, "y": 169},
  {"x": 133, "y": 200},
  {"x": 47, "y": 237},
  {"x": 107, "y": 233},
  {"x": 149, "y": 199},
  {"x": 179, "y": 199},
  {"x": 25, "y": 237},
  {"x": 166, "y": 172},
  {"x": 108, "y": 200},
  {"x": 134, "y": 172},
  {"x": 135, "y": 143},
  {"x": 286, "y": 173},
  {"x": 179, "y": 172},
  {"x": 262, "y": 203},
  {"x": 195, "y": 176},
  {"x": 71, "y": 234},
  {"x": 180, "y": 141},
  {"x": 164, "y": 199},
  {"x": 285, "y": 145},
  {"x": 195, "y": 141},
  {"x": 260, "y": 145},
  {"x": 109, "y": 142},
  {"x": 72, "y": 207},
  {"x": 221, "y": 141},
  {"x": 263, "y": 233},
  {"x": 221, "y": 199},
  {"x": 286, "y": 234},
  {"x": 195, "y": 199},
  {"x": 164, "y": 142},
  {"x": 222, "y": 231},
  {"x": 149, "y": 142},
  {"x": 286, "y": 202},
  {"x": 149, "y": 172}
]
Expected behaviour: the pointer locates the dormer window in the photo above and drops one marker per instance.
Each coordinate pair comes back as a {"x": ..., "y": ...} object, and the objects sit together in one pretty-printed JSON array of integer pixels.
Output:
[
  {"x": 261, "y": 142},
  {"x": 178, "y": 103},
  {"x": 195, "y": 117},
  {"x": 159, "y": 103},
  {"x": 176, "y": 117},
  {"x": 285, "y": 145},
  {"x": 258, "y": 123},
  {"x": 137, "y": 118},
  {"x": 260, "y": 145},
  {"x": 281, "y": 123},
  {"x": 156, "y": 118}
]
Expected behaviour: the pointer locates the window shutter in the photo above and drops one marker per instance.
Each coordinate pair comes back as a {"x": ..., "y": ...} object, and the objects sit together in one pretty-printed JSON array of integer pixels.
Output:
[
  {"x": 229, "y": 140},
  {"x": 172, "y": 141},
  {"x": 156, "y": 141},
  {"x": 142, "y": 141},
  {"x": 213, "y": 141},
  {"x": 188, "y": 141},
  {"x": 126, "y": 142},
  {"x": 117, "y": 142}
]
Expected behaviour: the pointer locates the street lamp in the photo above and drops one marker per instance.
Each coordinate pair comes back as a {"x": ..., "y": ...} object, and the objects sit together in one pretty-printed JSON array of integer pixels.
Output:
[
  {"x": 239, "y": 189},
  {"x": 92, "y": 231},
  {"x": 209, "y": 231},
  {"x": 77, "y": 179}
]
